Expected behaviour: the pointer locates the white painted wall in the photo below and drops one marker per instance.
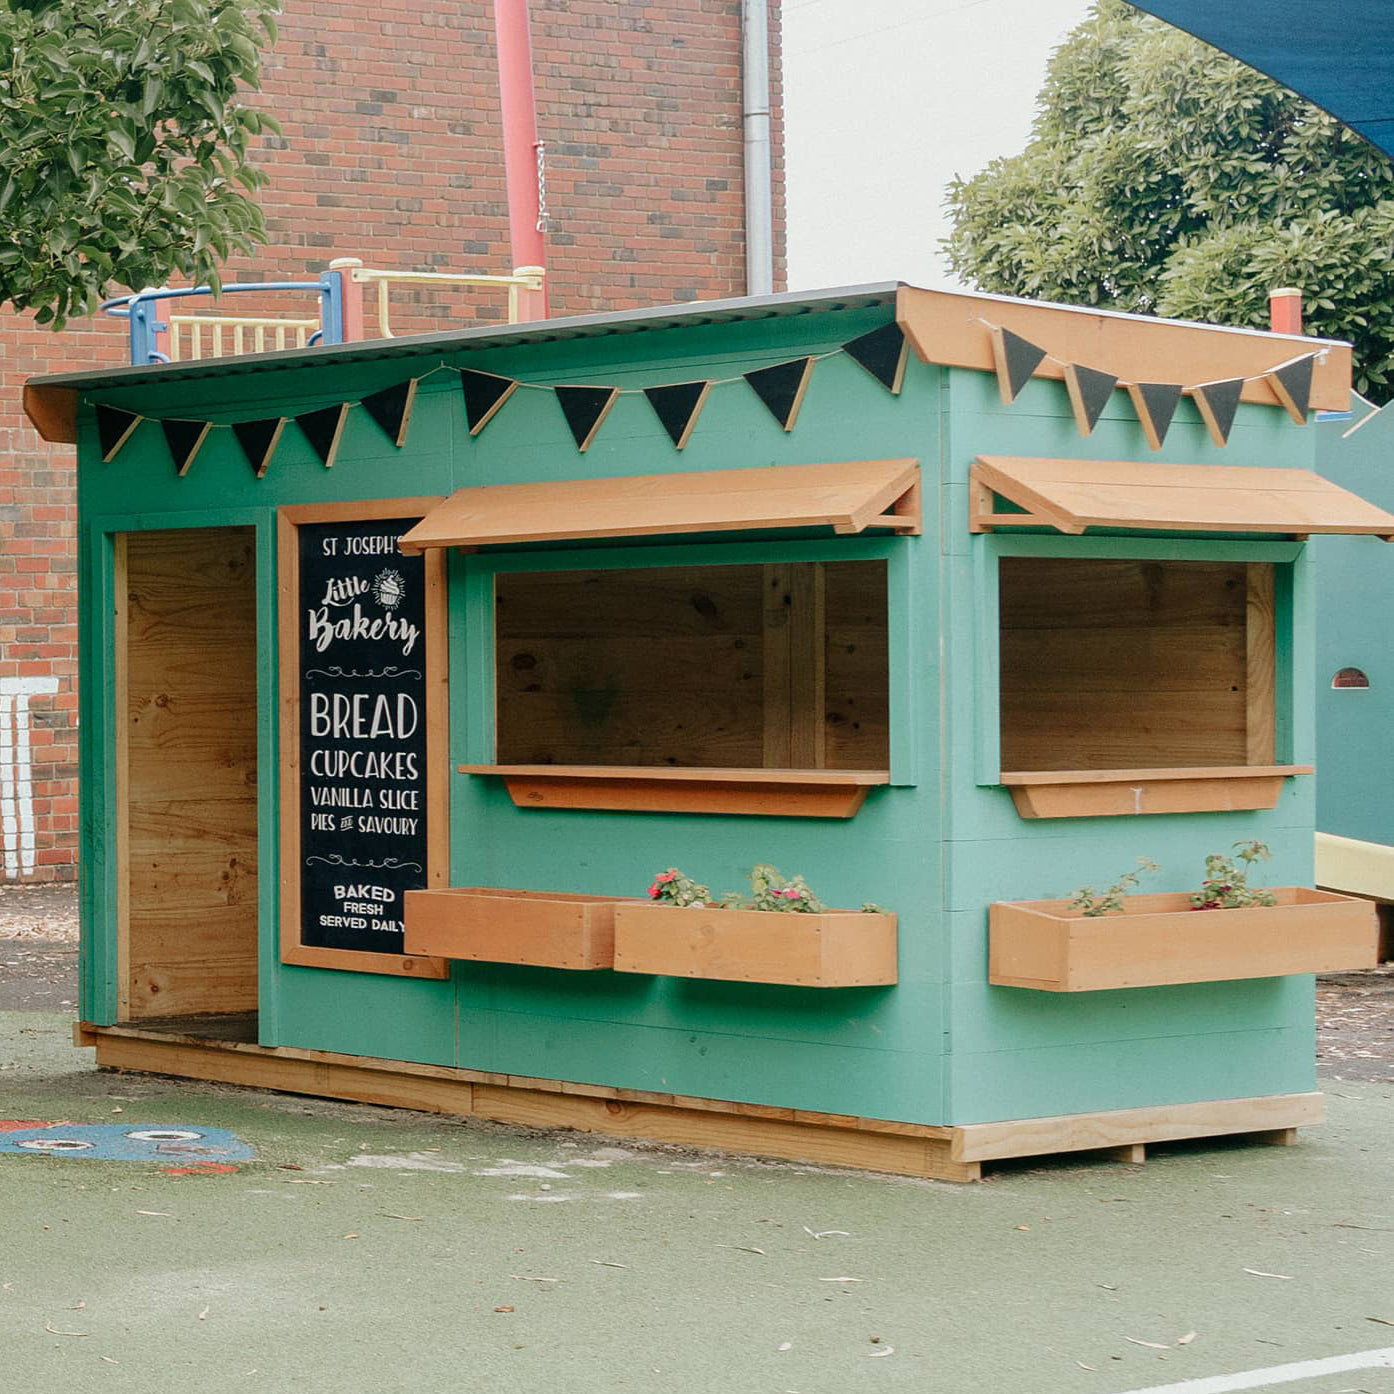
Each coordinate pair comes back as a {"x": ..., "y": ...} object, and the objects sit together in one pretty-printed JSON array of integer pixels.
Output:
[
  {"x": 16, "y": 774},
  {"x": 885, "y": 101}
]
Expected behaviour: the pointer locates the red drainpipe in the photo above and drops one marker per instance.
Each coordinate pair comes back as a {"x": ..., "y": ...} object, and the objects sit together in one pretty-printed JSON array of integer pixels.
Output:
[{"x": 520, "y": 148}]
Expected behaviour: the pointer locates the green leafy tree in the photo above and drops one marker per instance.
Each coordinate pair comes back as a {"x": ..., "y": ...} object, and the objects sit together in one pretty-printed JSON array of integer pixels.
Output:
[
  {"x": 124, "y": 144},
  {"x": 1165, "y": 178}
]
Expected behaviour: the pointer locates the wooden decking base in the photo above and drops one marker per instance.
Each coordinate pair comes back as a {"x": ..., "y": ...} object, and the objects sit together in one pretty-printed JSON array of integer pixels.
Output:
[{"x": 905, "y": 1149}]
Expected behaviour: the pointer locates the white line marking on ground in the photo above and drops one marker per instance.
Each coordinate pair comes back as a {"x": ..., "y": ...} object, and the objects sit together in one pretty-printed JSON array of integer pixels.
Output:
[{"x": 1278, "y": 1374}]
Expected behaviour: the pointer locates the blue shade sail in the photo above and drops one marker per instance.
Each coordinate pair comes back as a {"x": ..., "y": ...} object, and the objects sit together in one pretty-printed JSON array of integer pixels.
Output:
[{"x": 1335, "y": 53}]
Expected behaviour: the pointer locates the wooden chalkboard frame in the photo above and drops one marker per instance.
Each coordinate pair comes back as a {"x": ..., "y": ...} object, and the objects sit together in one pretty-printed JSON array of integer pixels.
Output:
[{"x": 288, "y": 521}]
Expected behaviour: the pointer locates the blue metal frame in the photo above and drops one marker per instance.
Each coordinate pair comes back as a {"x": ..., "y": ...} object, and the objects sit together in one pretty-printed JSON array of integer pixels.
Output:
[{"x": 140, "y": 309}]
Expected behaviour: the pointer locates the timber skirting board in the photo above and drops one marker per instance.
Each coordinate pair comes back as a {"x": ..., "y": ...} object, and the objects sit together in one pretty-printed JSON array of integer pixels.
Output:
[{"x": 905, "y": 1149}]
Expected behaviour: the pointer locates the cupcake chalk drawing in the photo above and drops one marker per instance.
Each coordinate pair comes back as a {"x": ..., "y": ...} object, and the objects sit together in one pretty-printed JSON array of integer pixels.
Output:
[{"x": 389, "y": 589}]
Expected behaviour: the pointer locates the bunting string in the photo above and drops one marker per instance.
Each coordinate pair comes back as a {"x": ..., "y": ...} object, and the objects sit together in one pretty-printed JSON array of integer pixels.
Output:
[
  {"x": 1017, "y": 360},
  {"x": 781, "y": 387}
]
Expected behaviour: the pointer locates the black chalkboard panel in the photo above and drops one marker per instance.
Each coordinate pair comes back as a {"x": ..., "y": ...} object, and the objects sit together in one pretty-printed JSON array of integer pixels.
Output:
[{"x": 361, "y": 664}]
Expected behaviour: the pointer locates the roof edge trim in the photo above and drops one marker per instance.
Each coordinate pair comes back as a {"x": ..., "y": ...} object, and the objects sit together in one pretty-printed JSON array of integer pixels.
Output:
[
  {"x": 53, "y": 411},
  {"x": 954, "y": 329}
]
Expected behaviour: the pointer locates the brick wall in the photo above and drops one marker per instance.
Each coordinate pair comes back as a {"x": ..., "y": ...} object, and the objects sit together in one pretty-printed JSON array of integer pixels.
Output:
[{"x": 391, "y": 151}]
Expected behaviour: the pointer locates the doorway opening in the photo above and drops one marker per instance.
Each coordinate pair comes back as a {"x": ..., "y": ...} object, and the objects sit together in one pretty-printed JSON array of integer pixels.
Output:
[{"x": 186, "y": 748}]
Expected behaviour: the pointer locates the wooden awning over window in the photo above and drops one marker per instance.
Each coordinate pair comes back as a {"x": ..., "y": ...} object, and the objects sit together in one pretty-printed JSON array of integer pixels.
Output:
[
  {"x": 1072, "y": 495},
  {"x": 848, "y": 498}
]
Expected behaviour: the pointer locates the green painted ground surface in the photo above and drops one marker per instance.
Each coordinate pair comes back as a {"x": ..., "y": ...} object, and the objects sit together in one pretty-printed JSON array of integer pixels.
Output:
[{"x": 252, "y": 1281}]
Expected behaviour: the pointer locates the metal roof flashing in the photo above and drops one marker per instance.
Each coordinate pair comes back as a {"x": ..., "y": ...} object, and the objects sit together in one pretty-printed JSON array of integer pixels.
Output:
[
  {"x": 51, "y": 401},
  {"x": 489, "y": 336}
]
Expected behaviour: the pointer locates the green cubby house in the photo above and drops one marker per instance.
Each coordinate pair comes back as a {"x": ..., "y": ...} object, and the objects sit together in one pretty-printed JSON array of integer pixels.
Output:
[
  {"x": 407, "y": 664},
  {"x": 1355, "y": 802}
]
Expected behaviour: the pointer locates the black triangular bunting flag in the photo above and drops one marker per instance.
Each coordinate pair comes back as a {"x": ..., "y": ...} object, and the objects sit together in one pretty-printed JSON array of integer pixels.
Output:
[
  {"x": 391, "y": 409},
  {"x": 882, "y": 353},
  {"x": 1292, "y": 385},
  {"x": 258, "y": 440},
  {"x": 484, "y": 394},
  {"x": 678, "y": 406},
  {"x": 1218, "y": 402},
  {"x": 1155, "y": 404},
  {"x": 781, "y": 388},
  {"x": 585, "y": 408},
  {"x": 184, "y": 439},
  {"x": 114, "y": 428},
  {"x": 1089, "y": 391},
  {"x": 1016, "y": 359},
  {"x": 323, "y": 428}
]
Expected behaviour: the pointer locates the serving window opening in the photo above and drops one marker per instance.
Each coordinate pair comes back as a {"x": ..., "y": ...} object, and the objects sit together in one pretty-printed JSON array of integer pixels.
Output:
[
  {"x": 1139, "y": 686},
  {"x": 1125, "y": 664},
  {"x": 777, "y": 667}
]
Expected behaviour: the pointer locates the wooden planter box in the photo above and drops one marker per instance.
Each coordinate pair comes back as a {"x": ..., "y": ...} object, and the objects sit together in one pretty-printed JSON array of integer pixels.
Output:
[
  {"x": 497, "y": 926},
  {"x": 840, "y": 948},
  {"x": 1159, "y": 939}
]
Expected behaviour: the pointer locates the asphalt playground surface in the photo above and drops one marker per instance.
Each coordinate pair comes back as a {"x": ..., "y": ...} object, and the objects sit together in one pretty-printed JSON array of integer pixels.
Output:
[
  {"x": 371, "y": 1250},
  {"x": 363, "y": 1250}
]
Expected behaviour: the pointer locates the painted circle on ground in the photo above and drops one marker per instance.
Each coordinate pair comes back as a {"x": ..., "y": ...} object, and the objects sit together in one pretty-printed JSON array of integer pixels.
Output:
[
  {"x": 54, "y": 1144},
  {"x": 164, "y": 1135}
]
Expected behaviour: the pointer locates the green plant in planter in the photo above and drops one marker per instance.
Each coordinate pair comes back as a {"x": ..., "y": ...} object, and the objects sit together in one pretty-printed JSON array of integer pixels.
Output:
[
  {"x": 769, "y": 890},
  {"x": 672, "y": 887},
  {"x": 1091, "y": 903},
  {"x": 1226, "y": 885}
]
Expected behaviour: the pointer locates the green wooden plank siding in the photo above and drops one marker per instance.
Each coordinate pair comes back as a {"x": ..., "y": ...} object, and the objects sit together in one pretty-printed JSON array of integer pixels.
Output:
[
  {"x": 96, "y": 785},
  {"x": 1355, "y": 629},
  {"x": 1012, "y": 1052},
  {"x": 937, "y": 846},
  {"x": 875, "y": 1050},
  {"x": 1176, "y": 1069},
  {"x": 793, "y": 1074},
  {"x": 389, "y": 1018}
]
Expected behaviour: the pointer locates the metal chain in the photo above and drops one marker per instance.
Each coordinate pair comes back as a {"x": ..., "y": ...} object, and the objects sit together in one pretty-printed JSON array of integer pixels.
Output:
[{"x": 542, "y": 186}]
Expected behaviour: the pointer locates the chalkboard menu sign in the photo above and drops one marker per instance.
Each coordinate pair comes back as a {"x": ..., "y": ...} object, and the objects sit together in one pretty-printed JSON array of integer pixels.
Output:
[{"x": 362, "y": 792}]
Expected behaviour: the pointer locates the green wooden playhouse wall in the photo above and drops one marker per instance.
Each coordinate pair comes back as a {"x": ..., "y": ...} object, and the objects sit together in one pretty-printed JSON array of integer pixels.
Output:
[
  {"x": 1016, "y": 1053},
  {"x": 1355, "y": 629},
  {"x": 937, "y": 846}
]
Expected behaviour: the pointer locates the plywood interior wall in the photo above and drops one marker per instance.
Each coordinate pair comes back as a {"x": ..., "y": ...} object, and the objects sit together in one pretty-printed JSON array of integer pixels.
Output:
[
  {"x": 187, "y": 744},
  {"x": 1135, "y": 664},
  {"x": 737, "y": 667},
  {"x": 856, "y": 702}
]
